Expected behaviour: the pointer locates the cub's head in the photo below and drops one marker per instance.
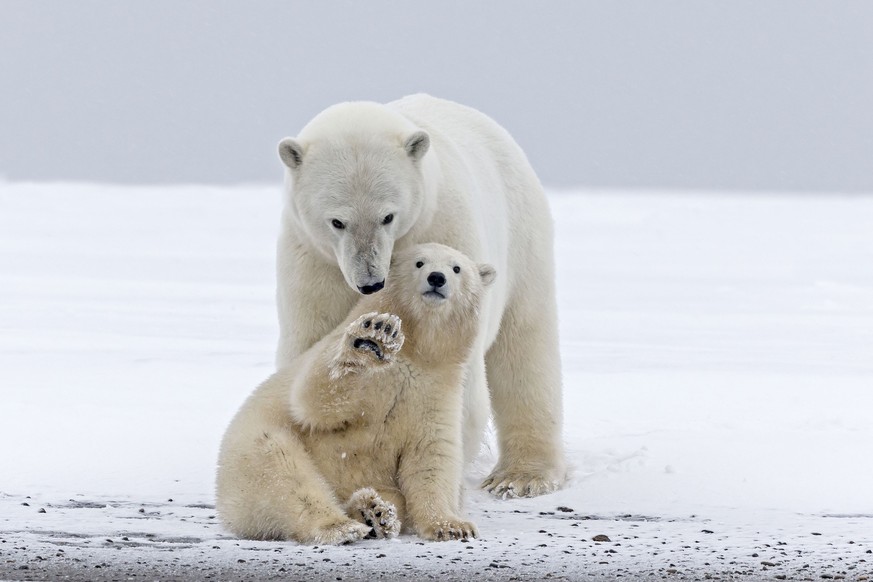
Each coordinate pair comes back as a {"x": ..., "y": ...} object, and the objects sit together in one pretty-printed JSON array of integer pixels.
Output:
[
  {"x": 436, "y": 279},
  {"x": 355, "y": 184}
]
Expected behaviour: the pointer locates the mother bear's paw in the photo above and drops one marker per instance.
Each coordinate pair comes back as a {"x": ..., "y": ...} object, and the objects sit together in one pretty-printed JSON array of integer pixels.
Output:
[{"x": 508, "y": 484}]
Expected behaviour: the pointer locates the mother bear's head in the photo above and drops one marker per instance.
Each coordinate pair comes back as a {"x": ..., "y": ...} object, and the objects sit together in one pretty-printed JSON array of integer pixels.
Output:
[{"x": 356, "y": 184}]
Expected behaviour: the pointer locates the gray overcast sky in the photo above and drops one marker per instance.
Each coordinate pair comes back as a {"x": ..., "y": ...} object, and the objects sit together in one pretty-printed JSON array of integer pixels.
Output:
[{"x": 695, "y": 94}]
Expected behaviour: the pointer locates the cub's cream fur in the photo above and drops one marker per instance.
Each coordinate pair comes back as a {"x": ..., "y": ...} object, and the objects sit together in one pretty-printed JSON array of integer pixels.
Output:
[
  {"x": 364, "y": 180},
  {"x": 362, "y": 432}
]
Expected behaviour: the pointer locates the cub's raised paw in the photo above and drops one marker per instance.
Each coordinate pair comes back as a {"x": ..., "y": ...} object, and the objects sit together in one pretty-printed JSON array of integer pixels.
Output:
[
  {"x": 378, "y": 334},
  {"x": 507, "y": 484},
  {"x": 451, "y": 528},
  {"x": 375, "y": 512}
]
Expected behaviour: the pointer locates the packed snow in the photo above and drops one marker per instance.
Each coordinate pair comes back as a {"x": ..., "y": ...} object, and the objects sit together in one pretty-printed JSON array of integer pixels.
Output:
[{"x": 718, "y": 391}]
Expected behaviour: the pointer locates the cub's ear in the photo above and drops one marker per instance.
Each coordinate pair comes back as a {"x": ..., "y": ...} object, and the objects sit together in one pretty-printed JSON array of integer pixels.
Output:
[
  {"x": 291, "y": 153},
  {"x": 416, "y": 145},
  {"x": 487, "y": 273}
]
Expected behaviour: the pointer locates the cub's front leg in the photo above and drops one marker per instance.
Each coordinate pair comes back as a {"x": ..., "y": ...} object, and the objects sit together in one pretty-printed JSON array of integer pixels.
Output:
[
  {"x": 371, "y": 341},
  {"x": 430, "y": 474},
  {"x": 330, "y": 388}
]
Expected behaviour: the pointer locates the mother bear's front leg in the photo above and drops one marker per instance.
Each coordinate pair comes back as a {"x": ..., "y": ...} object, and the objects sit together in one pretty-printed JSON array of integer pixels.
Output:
[
  {"x": 311, "y": 296},
  {"x": 524, "y": 379}
]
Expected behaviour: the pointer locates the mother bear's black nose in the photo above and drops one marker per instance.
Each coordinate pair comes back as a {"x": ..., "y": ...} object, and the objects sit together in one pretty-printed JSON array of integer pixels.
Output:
[
  {"x": 370, "y": 289},
  {"x": 436, "y": 279}
]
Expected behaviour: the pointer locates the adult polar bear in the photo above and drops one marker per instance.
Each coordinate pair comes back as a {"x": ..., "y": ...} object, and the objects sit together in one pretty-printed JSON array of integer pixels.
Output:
[{"x": 364, "y": 179}]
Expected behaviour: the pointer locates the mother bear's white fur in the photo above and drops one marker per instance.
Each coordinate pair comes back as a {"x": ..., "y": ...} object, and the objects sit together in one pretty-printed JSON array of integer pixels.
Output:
[
  {"x": 364, "y": 428},
  {"x": 364, "y": 180}
]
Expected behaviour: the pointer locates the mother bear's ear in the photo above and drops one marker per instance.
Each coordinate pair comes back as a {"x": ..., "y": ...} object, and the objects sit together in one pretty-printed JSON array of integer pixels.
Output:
[
  {"x": 291, "y": 152},
  {"x": 488, "y": 273},
  {"x": 417, "y": 144}
]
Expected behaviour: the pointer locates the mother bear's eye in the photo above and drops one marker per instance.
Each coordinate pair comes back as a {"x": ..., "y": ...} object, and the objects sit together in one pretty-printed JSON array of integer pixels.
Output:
[
  {"x": 388, "y": 219},
  {"x": 419, "y": 265},
  {"x": 337, "y": 224},
  {"x": 456, "y": 269}
]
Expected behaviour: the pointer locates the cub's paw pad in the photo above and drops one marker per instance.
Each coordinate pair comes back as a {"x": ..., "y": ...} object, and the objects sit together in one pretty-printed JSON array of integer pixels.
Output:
[
  {"x": 379, "y": 515},
  {"x": 378, "y": 333},
  {"x": 508, "y": 485},
  {"x": 366, "y": 344},
  {"x": 450, "y": 529}
]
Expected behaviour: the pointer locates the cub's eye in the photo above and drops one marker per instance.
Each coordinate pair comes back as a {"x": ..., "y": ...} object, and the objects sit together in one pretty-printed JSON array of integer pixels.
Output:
[
  {"x": 419, "y": 265},
  {"x": 388, "y": 219},
  {"x": 456, "y": 269},
  {"x": 337, "y": 224}
]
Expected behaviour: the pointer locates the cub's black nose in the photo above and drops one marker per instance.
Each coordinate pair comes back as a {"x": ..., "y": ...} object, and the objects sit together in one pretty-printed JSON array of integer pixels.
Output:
[
  {"x": 368, "y": 289},
  {"x": 436, "y": 279}
]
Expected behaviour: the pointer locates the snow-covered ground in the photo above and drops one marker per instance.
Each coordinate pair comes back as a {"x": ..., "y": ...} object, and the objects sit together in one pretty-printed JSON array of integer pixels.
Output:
[{"x": 718, "y": 376}]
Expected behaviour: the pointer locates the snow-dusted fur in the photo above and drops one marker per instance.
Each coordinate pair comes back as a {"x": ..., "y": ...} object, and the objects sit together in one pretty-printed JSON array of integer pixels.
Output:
[
  {"x": 364, "y": 180},
  {"x": 362, "y": 432}
]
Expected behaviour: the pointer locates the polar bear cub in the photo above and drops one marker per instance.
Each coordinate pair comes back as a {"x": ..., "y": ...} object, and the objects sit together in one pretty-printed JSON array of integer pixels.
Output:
[{"x": 362, "y": 432}]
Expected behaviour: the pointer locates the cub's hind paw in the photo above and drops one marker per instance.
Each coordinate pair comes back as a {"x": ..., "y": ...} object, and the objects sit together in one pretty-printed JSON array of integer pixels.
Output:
[
  {"x": 378, "y": 334},
  {"x": 380, "y": 515},
  {"x": 343, "y": 532}
]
